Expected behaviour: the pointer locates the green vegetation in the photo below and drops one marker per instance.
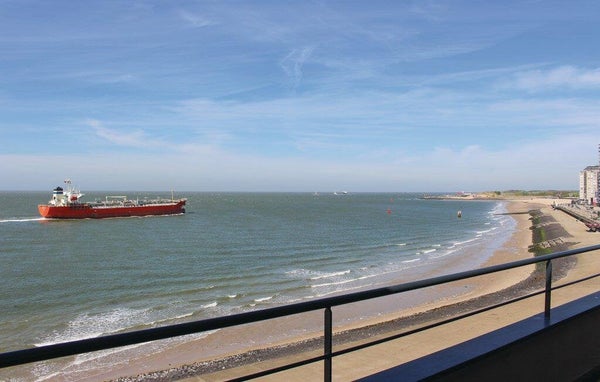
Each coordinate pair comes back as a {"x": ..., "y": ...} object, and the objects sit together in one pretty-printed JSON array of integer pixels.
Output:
[
  {"x": 536, "y": 193},
  {"x": 539, "y": 235}
]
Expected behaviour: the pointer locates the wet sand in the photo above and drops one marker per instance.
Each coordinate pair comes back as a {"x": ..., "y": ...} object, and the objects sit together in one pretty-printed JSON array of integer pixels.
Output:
[{"x": 211, "y": 354}]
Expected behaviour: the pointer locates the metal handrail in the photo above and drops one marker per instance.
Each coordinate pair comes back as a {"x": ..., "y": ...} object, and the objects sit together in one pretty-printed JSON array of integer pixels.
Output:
[{"x": 48, "y": 352}]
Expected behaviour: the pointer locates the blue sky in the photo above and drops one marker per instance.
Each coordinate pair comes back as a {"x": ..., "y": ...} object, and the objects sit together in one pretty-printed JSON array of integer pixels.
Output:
[{"x": 298, "y": 95}]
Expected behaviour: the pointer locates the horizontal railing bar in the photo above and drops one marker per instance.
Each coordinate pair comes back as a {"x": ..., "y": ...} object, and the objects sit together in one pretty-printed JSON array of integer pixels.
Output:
[
  {"x": 453, "y": 319},
  {"x": 575, "y": 281},
  {"x": 281, "y": 368},
  {"x": 130, "y": 338},
  {"x": 434, "y": 325},
  {"x": 404, "y": 334},
  {"x": 389, "y": 338}
]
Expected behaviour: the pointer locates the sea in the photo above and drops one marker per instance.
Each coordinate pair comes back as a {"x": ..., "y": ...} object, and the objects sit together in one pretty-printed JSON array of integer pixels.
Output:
[{"x": 65, "y": 280}]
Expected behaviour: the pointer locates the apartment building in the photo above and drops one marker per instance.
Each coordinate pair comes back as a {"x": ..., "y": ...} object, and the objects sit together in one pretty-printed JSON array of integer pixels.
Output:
[{"x": 588, "y": 184}]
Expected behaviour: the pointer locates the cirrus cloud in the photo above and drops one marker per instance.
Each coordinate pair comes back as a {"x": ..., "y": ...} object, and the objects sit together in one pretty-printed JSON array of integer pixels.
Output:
[{"x": 569, "y": 77}]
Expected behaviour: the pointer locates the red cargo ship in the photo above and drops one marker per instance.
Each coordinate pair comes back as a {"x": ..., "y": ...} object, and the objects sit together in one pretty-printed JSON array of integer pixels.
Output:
[{"x": 66, "y": 204}]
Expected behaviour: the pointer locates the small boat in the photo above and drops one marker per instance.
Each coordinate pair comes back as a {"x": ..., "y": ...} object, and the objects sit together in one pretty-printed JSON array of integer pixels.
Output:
[{"x": 66, "y": 204}]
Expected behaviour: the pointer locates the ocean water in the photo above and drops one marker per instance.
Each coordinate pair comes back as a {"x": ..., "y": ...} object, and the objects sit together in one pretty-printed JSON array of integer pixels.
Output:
[{"x": 231, "y": 252}]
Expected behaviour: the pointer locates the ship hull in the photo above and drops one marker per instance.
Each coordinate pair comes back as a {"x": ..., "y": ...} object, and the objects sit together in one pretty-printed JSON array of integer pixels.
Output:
[{"x": 86, "y": 211}]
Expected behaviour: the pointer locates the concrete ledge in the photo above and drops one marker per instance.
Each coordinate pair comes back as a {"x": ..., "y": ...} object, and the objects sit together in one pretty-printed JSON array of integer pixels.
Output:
[{"x": 564, "y": 348}]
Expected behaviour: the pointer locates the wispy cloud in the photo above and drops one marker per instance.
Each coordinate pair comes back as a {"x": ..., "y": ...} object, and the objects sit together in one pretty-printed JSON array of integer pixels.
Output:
[
  {"x": 194, "y": 20},
  {"x": 293, "y": 62},
  {"x": 565, "y": 77},
  {"x": 136, "y": 139},
  {"x": 307, "y": 95},
  {"x": 438, "y": 169}
]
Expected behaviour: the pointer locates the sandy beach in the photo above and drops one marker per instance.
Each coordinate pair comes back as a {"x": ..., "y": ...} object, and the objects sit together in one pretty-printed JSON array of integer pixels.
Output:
[{"x": 235, "y": 351}]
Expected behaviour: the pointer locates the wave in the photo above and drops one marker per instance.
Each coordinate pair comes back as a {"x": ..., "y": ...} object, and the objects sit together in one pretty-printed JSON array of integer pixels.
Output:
[
  {"x": 21, "y": 220},
  {"x": 374, "y": 247},
  {"x": 330, "y": 292},
  {"x": 263, "y": 299},
  {"x": 179, "y": 317},
  {"x": 426, "y": 251},
  {"x": 486, "y": 231},
  {"x": 190, "y": 291},
  {"x": 85, "y": 362},
  {"x": 88, "y": 325},
  {"x": 457, "y": 243},
  {"x": 411, "y": 261},
  {"x": 299, "y": 271},
  {"x": 444, "y": 253},
  {"x": 315, "y": 275},
  {"x": 333, "y": 274},
  {"x": 342, "y": 282}
]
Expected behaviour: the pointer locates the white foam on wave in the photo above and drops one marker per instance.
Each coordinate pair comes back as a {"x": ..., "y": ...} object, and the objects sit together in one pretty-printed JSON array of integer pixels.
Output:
[
  {"x": 21, "y": 220},
  {"x": 410, "y": 261},
  {"x": 122, "y": 355},
  {"x": 211, "y": 305},
  {"x": 263, "y": 299},
  {"x": 341, "y": 282},
  {"x": 444, "y": 253},
  {"x": 459, "y": 243},
  {"x": 328, "y": 275},
  {"x": 333, "y": 291},
  {"x": 316, "y": 275},
  {"x": 426, "y": 251},
  {"x": 296, "y": 272},
  {"x": 179, "y": 317},
  {"x": 43, "y": 372},
  {"x": 81, "y": 359},
  {"x": 416, "y": 253},
  {"x": 88, "y": 325}
]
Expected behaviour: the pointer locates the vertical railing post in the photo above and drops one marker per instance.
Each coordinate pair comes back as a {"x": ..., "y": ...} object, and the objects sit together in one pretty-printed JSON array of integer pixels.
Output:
[
  {"x": 328, "y": 344},
  {"x": 548, "y": 294}
]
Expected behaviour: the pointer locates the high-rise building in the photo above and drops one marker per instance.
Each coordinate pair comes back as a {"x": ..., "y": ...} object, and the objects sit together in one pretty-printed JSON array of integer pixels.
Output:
[{"x": 588, "y": 184}]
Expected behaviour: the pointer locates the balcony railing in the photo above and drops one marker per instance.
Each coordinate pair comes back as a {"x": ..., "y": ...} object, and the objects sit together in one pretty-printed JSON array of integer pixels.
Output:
[{"x": 43, "y": 353}]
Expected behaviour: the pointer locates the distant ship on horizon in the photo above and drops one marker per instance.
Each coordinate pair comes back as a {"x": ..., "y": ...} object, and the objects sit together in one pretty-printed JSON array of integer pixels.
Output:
[{"x": 66, "y": 204}]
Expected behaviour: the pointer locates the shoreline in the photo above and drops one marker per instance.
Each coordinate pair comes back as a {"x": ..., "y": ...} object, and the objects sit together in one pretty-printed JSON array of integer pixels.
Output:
[
  {"x": 481, "y": 292},
  {"x": 219, "y": 355}
]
